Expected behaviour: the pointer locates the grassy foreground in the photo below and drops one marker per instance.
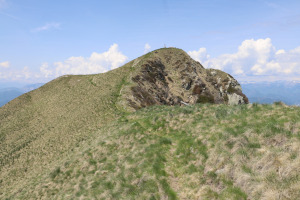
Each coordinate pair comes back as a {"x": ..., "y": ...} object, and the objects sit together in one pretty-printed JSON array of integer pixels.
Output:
[{"x": 194, "y": 152}]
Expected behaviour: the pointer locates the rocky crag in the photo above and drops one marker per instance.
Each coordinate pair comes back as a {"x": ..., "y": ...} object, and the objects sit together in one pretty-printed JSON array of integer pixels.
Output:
[{"x": 170, "y": 76}]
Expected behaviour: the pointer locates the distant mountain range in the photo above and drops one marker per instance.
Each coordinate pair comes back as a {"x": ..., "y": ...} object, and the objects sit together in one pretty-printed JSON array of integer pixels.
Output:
[
  {"x": 269, "y": 92},
  {"x": 257, "y": 92},
  {"x": 9, "y": 93}
]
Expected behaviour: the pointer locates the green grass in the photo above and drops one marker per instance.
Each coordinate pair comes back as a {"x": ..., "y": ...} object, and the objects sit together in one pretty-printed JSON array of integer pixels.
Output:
[
  {"x": 74, "y": 138},
  {"x": 176, "y": 152}
]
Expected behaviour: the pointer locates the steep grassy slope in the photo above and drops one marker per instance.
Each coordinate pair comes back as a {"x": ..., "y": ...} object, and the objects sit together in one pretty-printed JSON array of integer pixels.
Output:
[
  {"x": 39, "y": 126},
  {"x": 195, "y": 152}
]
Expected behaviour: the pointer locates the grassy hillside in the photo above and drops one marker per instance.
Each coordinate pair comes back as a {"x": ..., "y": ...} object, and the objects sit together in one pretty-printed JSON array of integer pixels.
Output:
[
  {"x": 73, "y": 138},
  {"x": 39, "y": 126},
  {"x": 202, "y": 151}
]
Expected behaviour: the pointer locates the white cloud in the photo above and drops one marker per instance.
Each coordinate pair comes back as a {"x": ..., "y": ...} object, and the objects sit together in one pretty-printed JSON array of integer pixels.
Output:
[
  {"x": 96, "y": 63},
  {"x": 45, "y": 71},
  {"x": 16, "y": 75},
  {"x": 280, "y": 51},
  {"x": 200, "y": 55},
  {"x": 26, "y": 72},
  {"x": 5, "y": 64},
  {"x": 48, "y": 26},
  {"x": 254, "y": 58},
  {"x": 147, "y": 48}
]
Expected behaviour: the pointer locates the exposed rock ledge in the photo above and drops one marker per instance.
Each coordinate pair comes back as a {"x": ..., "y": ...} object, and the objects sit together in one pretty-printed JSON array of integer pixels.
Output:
[{"x": 170, "y": 76}]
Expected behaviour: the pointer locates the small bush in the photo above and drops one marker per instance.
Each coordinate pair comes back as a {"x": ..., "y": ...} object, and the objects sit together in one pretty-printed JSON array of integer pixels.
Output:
[{"x": 205, "y": 99}]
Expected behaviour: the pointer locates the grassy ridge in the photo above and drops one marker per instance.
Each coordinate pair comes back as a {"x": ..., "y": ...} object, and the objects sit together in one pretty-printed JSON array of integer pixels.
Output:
[
  {"x": 201, "y": 151},
  {"x": 74, "y": 138},
  {"x": 41, "y": 126}
]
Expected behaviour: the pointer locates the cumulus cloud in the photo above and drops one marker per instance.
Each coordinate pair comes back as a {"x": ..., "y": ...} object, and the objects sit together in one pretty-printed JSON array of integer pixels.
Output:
[
  {"x": 5, "y": 64},
  {"x": 26, "y": 72},
  {"x": 96, "y": 63},
  {"x": 147, "y": 48},
  {"x": 254, "y": 58},
  {"x": 199, "y": 55},
  {"x": 45, "y": 71},
  {"x": 48, "y": 26},
  {"x": 14, "y": 74}
]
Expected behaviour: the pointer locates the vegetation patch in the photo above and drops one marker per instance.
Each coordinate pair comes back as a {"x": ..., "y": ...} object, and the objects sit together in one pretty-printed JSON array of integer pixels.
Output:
[{"x": 205, "y": 98}]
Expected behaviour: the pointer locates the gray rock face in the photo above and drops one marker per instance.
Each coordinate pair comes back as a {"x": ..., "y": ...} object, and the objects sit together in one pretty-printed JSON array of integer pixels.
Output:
[
  {"x": 169, "y": 76},
  {"x": 235, "y": 99}
]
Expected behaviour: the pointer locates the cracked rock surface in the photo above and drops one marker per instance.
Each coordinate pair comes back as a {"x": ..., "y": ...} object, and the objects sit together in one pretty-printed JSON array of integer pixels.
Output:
[{"x": 170, "y": 76}]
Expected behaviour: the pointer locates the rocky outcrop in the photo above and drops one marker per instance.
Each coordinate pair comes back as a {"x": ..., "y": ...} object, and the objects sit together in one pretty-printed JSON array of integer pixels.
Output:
[{"x": 169, "y": 77}]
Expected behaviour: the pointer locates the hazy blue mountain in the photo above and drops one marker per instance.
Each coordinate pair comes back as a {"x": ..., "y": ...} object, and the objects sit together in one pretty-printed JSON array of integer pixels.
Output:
[
  {"x": 30, "y": 87},
  {"x": 269, "y": 92},
  {"x": 260, "y": 92},
  {"x": 9, "y": 93}
]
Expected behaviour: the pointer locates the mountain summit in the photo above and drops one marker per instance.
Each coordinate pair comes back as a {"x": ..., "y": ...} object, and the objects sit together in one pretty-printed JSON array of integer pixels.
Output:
[{"x": 169, "y": 76}]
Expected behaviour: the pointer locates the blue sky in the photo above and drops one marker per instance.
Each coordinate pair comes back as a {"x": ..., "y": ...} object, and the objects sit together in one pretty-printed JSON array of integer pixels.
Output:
[{"x": 251, "y": 39}]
